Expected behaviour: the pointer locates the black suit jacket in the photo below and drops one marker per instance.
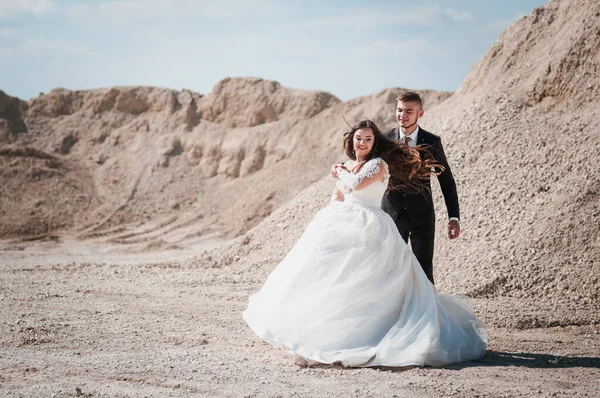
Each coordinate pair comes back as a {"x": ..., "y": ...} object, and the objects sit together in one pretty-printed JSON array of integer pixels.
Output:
[{"x": 421, "y": 204}]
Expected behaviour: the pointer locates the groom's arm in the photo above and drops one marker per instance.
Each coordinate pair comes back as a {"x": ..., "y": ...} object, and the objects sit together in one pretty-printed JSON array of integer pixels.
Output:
[{"x": 447, "y": 183}]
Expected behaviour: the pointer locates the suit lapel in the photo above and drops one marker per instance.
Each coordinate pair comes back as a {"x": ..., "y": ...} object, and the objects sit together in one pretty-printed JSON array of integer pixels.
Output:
[
  {"x": 420, "y": 136},
  {"x": 424, "y": 142}
]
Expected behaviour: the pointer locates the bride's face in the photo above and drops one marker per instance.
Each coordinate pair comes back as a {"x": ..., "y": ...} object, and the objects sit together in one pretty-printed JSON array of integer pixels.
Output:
[{"x": 363, "y": 142}]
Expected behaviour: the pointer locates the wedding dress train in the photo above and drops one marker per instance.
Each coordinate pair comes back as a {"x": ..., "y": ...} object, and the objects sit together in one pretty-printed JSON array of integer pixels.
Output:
[{"x": 351, "y": 291}]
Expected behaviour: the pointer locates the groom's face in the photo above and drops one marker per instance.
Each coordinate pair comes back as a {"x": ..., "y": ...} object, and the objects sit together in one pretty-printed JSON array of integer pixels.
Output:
[{"x": 408, "y": 113}]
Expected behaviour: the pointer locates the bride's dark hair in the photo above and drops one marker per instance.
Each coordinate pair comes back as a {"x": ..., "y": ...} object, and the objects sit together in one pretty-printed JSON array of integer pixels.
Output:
[{"x": 407, "y": 169}]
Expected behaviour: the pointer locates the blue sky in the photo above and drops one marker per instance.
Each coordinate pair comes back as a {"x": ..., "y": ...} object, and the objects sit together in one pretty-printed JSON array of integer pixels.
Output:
[{"x": 349, "y": 48}]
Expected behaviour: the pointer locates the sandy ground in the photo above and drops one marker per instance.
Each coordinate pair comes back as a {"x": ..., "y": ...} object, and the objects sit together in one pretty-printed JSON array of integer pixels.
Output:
[{"x": 107, "y": 323}]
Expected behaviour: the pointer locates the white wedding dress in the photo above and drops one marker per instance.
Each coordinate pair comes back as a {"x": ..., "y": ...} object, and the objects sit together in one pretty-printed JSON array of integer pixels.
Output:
[{"x": 351, "y": 291}]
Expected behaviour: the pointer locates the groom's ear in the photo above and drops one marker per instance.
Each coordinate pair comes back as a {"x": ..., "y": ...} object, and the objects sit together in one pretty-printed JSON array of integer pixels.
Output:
[{"x": 421, "y": 112}]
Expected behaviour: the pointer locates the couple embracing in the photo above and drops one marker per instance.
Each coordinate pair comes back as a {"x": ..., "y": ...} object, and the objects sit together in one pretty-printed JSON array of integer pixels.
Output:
[{"x": 351, "y": 290}]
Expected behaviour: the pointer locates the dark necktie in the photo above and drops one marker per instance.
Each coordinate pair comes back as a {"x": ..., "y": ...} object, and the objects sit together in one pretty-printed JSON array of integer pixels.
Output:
[{"x": 407, "y": 139}]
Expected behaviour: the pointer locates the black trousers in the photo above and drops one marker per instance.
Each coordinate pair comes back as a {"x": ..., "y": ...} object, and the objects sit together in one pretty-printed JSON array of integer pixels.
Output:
[{"x": 420, "y": 229}]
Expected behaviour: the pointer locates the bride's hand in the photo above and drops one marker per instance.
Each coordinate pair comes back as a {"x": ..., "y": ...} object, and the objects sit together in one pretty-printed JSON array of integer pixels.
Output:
[{"x": 334, "y": 169}]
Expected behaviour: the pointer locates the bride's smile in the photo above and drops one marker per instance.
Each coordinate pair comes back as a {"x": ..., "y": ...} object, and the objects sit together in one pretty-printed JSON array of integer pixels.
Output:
[{"x": 363, "y": 142}]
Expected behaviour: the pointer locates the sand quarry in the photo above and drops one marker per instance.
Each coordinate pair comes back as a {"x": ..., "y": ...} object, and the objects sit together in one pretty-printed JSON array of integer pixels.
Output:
[{"x": 135, "y": 222}]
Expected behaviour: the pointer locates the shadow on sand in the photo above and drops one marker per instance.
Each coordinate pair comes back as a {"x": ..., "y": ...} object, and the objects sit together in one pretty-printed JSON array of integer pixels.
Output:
[
  {"x": 498, "y": 358},
  {"x": 529, "y": 360}
]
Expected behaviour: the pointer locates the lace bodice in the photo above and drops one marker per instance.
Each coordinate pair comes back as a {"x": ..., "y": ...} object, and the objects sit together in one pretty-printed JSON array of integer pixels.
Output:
[{"x": 371, "y": 195}]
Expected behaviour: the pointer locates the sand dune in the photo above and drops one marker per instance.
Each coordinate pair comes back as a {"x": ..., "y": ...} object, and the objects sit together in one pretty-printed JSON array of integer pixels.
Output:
[{"x": 107, "y": 194}]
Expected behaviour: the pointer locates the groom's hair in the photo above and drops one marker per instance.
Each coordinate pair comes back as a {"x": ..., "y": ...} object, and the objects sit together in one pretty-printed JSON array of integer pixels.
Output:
[{"x": 410, "y": 96}]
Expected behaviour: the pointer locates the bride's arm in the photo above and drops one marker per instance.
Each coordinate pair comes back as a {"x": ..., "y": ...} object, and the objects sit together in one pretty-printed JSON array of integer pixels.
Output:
[
  {"x": 374, "y": 170},
  {"x": 337, "y": 195}
]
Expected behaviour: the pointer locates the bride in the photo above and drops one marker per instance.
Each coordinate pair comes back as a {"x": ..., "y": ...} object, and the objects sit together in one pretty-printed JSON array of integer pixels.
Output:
[{"x": 350, "y": 291}]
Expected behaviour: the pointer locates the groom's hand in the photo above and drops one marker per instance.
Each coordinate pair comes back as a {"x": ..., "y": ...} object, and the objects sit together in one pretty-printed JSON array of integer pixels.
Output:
[
  {"x": 453, "y": 229},
  {"x": 334, "y": 169}
]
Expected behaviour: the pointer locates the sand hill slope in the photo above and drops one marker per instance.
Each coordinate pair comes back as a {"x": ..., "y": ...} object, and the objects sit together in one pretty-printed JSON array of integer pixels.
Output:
[
  {"x": 135, "y": 155},
  {"x": 163, "y": 168},
  {"x": 549, "y": 58},
  {"x": 526, "y": 161},
  {"x": 529, "y": 196}
]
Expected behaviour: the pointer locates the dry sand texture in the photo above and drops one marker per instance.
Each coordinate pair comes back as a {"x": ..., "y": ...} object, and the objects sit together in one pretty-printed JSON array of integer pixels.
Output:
[{"x": 136, "y": 221}]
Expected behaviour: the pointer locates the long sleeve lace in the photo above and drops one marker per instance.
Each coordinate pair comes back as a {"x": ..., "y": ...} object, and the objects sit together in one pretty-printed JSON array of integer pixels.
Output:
[{"x": 353, "y": 181}]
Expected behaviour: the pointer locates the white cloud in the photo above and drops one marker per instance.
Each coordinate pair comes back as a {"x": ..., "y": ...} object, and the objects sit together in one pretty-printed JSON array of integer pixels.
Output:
[
  {"x": 7, "y": 33},
  {"x": 361, "y": 19},
  {"x": 9, "y": 8},
  {"x": 124, "y": 10},
  {"x": 40, "y": 46},
  {"x": 458, "y": 16},
  {"x": 407, "y": 48},
  {"x": 501, "y": 24},
  {"x": 368, "y": 18},
  {"x": 127, "y": 10}
]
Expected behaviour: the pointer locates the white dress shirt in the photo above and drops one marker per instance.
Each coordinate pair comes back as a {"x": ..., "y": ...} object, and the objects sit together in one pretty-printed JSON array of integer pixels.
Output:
[{"x": 413, "y": 137}]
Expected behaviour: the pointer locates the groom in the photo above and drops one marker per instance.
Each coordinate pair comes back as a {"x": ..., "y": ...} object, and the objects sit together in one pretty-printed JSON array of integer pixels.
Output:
[{"x": 412, "y": 211}]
